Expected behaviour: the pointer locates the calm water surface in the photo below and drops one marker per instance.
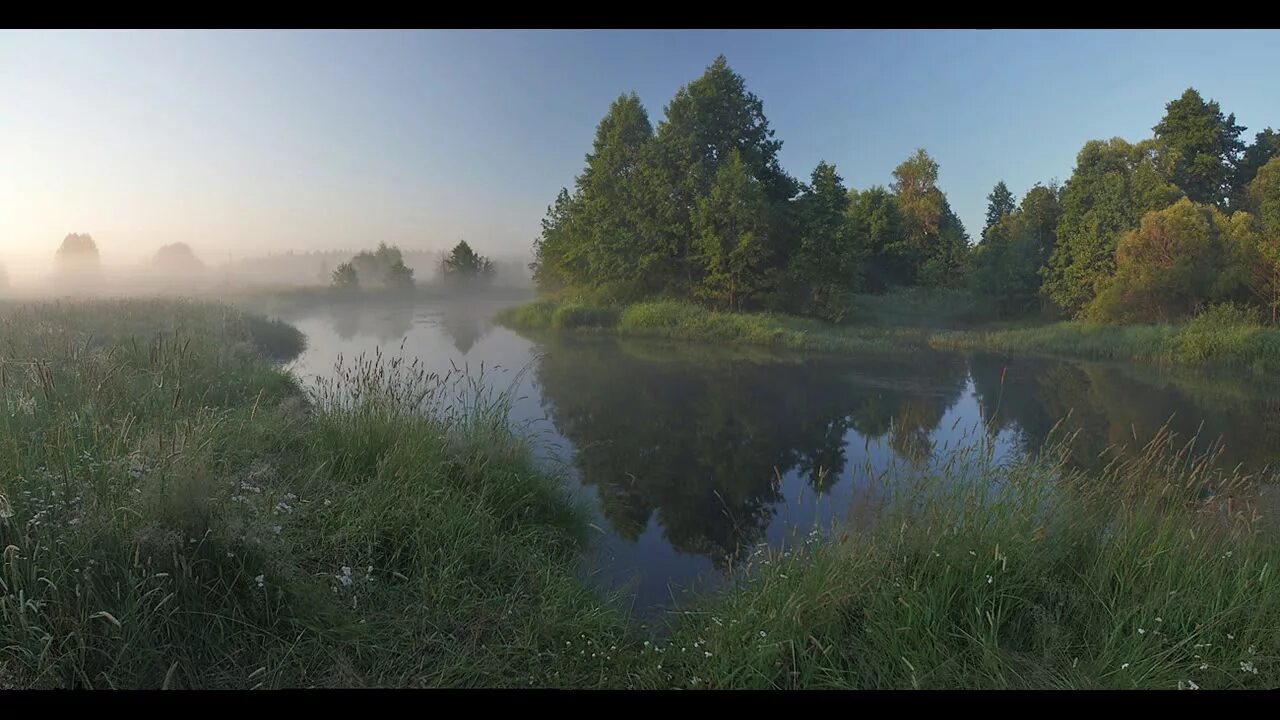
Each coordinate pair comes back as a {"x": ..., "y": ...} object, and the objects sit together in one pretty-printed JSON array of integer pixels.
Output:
[{"x": 687, "y": 454}]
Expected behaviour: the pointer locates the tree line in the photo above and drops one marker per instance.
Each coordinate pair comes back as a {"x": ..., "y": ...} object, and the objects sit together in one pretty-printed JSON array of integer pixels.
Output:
[{"x": 699, "y": 208}]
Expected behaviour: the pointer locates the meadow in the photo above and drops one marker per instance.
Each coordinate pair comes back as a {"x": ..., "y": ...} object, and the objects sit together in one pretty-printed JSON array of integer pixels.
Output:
[{"x": 178, "y": 511}]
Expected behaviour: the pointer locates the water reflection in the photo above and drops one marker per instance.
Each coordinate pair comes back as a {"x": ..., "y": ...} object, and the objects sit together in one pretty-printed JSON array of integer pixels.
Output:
[
  {"x": 688, "y": 454},
  {"x": 701, "y": 442}
]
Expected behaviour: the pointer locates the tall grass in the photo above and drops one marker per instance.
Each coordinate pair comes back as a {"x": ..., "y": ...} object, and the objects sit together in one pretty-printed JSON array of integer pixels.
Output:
[{"x": 1154, "y": 574}]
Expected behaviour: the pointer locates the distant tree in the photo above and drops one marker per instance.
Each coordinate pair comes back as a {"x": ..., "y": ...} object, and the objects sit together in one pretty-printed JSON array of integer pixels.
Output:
[
  {"x": 4, "y": 277},
  {"x": 325, "y": 275},
  {"x": 1113, "y": 185},
  {"x": 345, "y": 277},
  {"x": 1266, "y": 145},
  {"x": 1009, "y": 259},
  {"x": 731, "y": 239},
  {"x": 463, "y": 264},
  {"x": 178, "y": 257},
  {"x": 78, "y": 253},
  {"x": 383, "y": 267},
  {"x": 875, "y": 225},
  {"x": 999, "y": 203},
  {"x": 1263, "y": 201},
  {"x": 935, "y": 242},
  {"x": 1197, "y": 147},
  {"x": 825, "y": 264}
]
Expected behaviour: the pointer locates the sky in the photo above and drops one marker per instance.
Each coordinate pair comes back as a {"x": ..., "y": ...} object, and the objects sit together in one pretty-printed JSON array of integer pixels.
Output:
[{"x": 242, "y": 143}]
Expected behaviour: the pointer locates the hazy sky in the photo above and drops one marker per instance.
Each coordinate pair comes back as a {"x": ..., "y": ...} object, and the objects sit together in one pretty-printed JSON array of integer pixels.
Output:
[{"x": 243, "y": 143}]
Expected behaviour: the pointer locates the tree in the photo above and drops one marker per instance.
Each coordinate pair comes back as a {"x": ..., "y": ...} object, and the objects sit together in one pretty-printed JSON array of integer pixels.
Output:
[
  {"x": 1168, "y": 267},
  {"x": 1009, "y": 259},
  {"x": 704, "y": 123},
  {"x": 999, "y": 203},
  {"x": 178, "y": 258},
  {"x": 936, "y": 244},
  {"x": 463, "y": 264},
  {"x": 77, "y": 254},
  {"x": 1198, "y": 147},
  {"x": 345, "y": 277},
  {"x": 825, "y": 263},
  {"x": 875, "y": 227},
  {"x": 1263, "y": 200},
  {"x": 383, "y": 267},
  {"x": 731, "y": 240},
  {"x": 559, "y": 254},
  {"x": 4, "y": 277},
  {"x": 610, "y": 195},
  {"x": 1112, "y": 186},
  {"x": 1266, "y": 145}
]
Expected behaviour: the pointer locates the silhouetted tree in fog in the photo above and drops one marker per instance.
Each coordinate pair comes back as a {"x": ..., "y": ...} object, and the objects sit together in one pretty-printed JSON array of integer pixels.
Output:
[
  {"x": 178, "y": 257},
  {"x": 465, "y": 265},
  {"x": 78, "y": 253}
]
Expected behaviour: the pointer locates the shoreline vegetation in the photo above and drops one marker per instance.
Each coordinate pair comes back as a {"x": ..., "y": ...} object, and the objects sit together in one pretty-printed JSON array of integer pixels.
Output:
[
  {"x": 178, "y": 512},
  {"x": 1223, "y": 336}
]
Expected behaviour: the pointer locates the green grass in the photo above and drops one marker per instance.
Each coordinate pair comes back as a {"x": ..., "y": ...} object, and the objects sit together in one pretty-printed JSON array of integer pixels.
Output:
[
  {"x": 677, "y": 320},
  {"x": 178, "y": 513},
  {"x": 1217, "y": 337}
]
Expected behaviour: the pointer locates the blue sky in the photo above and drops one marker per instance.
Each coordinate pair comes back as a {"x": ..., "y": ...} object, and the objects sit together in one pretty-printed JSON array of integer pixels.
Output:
[{"x": 241, "y": 143}]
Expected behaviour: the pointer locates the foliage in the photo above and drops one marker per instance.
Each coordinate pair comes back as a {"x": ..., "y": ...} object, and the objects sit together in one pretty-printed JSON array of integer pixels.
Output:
[
  {"x": 384, "y": 267},
  {"x": 465, "y": 265},
  {"x": 1172, "y": 265},
  {"x": 1197, "y": 148},
  {"x": 345, "y": 277}
]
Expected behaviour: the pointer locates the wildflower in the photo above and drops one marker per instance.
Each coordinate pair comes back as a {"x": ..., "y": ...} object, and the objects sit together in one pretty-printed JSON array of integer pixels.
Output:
[
  {"x": 989, "y": 580},
  {"x": 1204, "y": 666},
  {"x": 1159, "y": 620},
  {"x": 1141, "y": 631},
  {"x": 1248, "y": 667},
  {"x": 1251, "y": 649},
  {"x": 276, "y": 529},
  {"x": 1124, "y": 666},
  {"x": 706, "y": 654},
  {"x": 1230, "y": 636},
  {"x": 764, "y": 634},
  {"x": 261, "y": 580}
]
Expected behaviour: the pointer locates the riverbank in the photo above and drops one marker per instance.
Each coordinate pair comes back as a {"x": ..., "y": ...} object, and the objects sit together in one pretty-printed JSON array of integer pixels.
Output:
[
  {"x": 686, "y": 321},
  {"x": 1212, "y": 339},
  {"x": 180, "y": 513}
]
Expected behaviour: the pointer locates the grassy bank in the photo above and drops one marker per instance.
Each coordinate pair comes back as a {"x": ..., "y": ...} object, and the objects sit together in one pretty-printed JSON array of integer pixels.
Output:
[
  {"x": 178, "y": 513},
  {"x": 1214, "y": 338},
  {"x": 686, "y": 321}
]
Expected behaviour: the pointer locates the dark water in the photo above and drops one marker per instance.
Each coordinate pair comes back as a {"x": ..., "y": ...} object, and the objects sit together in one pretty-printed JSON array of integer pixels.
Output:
[{"x": 687, "y": 454}]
